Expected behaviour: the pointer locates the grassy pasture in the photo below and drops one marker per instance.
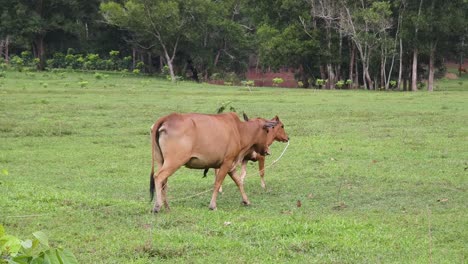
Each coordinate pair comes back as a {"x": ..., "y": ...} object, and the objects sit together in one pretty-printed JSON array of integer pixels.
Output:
[{"x": 381, "y": 176}]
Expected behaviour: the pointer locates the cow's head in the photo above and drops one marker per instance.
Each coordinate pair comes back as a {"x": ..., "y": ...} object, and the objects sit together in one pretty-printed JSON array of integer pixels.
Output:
[
  {"x": 274, "y": 128},
  {"x": 278, "y": 130}
]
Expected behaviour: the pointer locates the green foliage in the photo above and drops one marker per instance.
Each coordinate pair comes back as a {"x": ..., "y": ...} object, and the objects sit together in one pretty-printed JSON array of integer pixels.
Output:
[
  {"x": 248, "y": 83},
  {"x": 393, "y": 83},
  {"x": 83, "y": 84},
  {"x": 277, "y": 81},
  {"x": 136, "y": 71},
  {"x": 320, "y": 82},
  {"x": 2, "y": 74},
  {"x": 36, "y": 250},
  {"x": 340, "y": 84}
]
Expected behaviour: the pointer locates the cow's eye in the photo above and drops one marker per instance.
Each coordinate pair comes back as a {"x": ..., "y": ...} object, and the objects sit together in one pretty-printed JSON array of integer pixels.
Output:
[{"x": 282, "y": 126}]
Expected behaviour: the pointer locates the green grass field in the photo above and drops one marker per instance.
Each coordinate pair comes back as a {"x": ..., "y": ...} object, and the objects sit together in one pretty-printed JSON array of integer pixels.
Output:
[{"x": 381, "y": 176}]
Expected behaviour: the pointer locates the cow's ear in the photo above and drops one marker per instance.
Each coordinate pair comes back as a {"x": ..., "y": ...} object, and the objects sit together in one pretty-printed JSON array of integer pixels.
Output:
[
  {"x": 276, "y": 118},
  {"x": 246, "y": 118}
]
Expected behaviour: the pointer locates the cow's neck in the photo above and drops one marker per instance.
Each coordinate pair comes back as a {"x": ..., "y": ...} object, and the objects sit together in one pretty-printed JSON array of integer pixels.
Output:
[{"x": 254, "y": 134}]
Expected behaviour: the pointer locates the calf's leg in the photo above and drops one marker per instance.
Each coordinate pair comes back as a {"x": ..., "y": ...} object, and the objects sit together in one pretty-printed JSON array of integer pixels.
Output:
[
  {"x": 261, "y": 169},
  {"x": 240, "y": 185}
]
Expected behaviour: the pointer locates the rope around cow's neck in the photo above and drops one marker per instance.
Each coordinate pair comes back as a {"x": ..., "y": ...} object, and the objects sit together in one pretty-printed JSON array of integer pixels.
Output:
[{"x": 276, "y": 160}]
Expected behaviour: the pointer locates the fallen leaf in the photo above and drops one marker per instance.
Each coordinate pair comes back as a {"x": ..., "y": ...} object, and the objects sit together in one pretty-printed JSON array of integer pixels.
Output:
[
  {"x": 227, "y": 223},
  {"x": 443, "y": 200},
  {"x": 299, "y": 204},
  {"x": 310, "y": 196}
]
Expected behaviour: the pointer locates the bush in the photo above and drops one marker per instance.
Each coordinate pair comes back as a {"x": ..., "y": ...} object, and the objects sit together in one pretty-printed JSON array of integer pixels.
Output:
[
  {"x": 2, "y": 74},
  {"x": 319, "y": 82},
  {"x": 36, "y": 250},
  {"x": 340, "y": 84},
  {"x": 248, "y": 83},
  {"x": 277, "y": 81}
]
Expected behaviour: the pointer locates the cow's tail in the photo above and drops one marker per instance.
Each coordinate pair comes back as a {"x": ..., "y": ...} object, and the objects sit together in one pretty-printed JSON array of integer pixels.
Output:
[{"x": 155, "y": 153}]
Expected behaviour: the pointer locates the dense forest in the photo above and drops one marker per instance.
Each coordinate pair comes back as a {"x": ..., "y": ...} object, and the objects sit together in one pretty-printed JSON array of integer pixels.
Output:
[{"x": 399, "y": 44}]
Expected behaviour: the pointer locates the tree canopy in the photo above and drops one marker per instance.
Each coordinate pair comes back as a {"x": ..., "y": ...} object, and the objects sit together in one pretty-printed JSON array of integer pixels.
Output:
[{"x": 367, "y": 43}]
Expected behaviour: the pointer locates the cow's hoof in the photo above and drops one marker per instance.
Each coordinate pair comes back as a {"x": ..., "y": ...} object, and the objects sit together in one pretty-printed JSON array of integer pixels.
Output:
[
  {"x": 246, "y": 203},
  {"x": 212, "y": 208},
  {"x": 155, "y": 210}
]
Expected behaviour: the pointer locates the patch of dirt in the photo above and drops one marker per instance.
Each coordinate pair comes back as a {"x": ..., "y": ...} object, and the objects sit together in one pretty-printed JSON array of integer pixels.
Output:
[{"x": 451, "y": 76}]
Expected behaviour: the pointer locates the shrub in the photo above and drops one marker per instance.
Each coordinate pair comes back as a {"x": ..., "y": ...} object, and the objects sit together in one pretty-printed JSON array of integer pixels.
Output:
[
  {"x": 393, "y": 83},
  {"x": 136, "y": 71},
  {"x": 277, "y": 81},
  {"x": 36, "y": 250},
  {"x": 2, "y": 74},
  {"x": 340, "y": 84},
  {"x": 319, "y": 82},
  {"x": 83, "y": 84},
  {"x": 248, "y": 83}
]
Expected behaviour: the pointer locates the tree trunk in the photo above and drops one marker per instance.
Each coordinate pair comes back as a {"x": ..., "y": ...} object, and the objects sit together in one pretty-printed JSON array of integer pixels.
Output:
[
  {"x": 133, "y": 58},
  {"x": 382, "y": 68},
  {"x": 430, "y": 82},
  {"x": 400, "y": 70},
  {"x": 351, "y": 63},
  {"x": 462, "y": 60},
  {"x": 2, "y": 45},
  {"x": 7, "y": 49},
  {"x": 414, "y": 71},
  {"x": 356, "y": 75},
  {"x": 169, "y": 61},
  {"x": 40, "y": 48},
  {"x": 217, "y": 57}
]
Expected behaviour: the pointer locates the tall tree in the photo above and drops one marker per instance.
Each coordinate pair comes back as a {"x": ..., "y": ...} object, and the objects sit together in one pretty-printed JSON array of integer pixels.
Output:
[
  {"x": 366, "y": 26},
  {"x": 167, "y": 23}
]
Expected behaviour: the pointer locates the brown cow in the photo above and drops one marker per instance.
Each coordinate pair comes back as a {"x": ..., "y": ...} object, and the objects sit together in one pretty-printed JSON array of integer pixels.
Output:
[
  {"x": 277, "y": 133},
  {"x": 201, "y": 141}
]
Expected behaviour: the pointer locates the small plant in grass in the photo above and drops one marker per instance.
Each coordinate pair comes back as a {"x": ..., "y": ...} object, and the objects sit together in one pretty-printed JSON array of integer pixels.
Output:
[
  {"x": 277, "y": 81},
  {"x": 98, "y": 76},
  {"x": 300, "y": 84},
  {"x": 83, "y": 84},
  {"x": 319, "y": 83},
  {"x": 248, "y": 83},
  {"x": 340, "y": 84},
  {"x": 36, "y": 250},
  {"x": 348, "y": 83}
]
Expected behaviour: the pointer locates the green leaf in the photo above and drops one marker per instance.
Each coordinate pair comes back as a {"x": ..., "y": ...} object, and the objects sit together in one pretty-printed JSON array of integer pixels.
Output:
[
  {"x": 27, "y": 244},
  {"x": 66, "y": 256},
  {"x": 10, "y": 244},
  {"x": 42, "y": 237},
  {"x": 52, "y": 257}
]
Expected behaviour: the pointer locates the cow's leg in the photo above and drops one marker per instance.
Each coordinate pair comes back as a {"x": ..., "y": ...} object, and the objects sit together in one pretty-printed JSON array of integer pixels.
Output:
[
  {"x": 243, "y": 171},
  {"x": 240, "y": 185},
  {"x": 261, "y": 169},
  {"x": 159, "y": 178},
  {"x": 219, "y": 180},
  {"x": 221, "y": 187},
  {"x": 164, "y": 197}
]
